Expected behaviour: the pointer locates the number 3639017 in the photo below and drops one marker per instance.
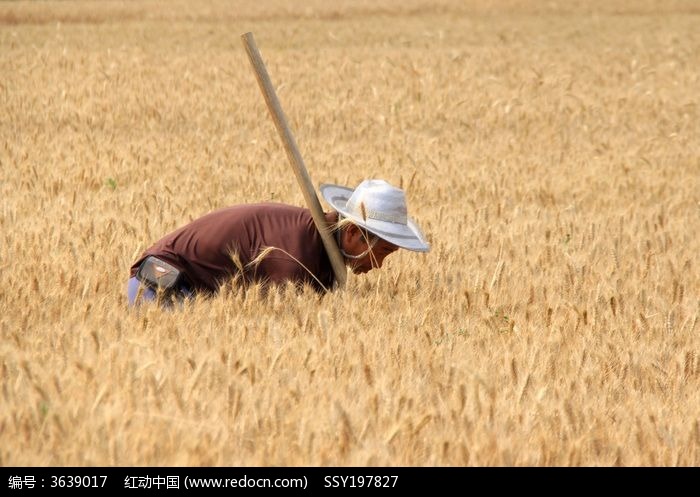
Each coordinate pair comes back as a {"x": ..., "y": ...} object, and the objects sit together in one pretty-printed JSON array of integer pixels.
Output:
[{"x": 71, "y": 481}]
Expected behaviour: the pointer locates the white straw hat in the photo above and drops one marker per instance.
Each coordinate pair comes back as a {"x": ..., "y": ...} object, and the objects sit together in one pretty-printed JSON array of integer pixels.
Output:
[{"x": 379, "y": 208}]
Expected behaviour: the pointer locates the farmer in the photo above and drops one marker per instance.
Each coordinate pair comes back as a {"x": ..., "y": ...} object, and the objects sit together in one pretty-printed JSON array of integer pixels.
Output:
[{"x": 274, "y": 243}]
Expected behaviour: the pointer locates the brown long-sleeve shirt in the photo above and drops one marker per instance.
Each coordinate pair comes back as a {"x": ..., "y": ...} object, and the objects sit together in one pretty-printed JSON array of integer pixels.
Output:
[{"x": 203, "y": 249}]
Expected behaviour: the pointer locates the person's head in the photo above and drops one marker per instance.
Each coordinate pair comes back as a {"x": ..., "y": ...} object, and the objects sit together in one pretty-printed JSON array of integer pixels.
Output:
[
  {"x": 362, "y": 250},
  {"x": 373, "y": 223}
]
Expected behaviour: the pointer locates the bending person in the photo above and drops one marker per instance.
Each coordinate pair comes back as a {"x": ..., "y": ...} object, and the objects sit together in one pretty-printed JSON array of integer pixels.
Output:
[{"x": 272, "y": 243}]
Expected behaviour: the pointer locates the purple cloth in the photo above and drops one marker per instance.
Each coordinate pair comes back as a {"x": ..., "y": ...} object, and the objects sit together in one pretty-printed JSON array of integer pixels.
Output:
[{"x": 133, "y": 289}]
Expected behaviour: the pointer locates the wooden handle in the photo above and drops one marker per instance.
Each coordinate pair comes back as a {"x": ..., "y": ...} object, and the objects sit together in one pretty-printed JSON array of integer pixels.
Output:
[{"x": 294, "y": 157}]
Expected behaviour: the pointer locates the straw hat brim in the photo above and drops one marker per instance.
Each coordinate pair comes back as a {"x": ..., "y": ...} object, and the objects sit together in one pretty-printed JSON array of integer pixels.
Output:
[{"x": 407, "y": 236}]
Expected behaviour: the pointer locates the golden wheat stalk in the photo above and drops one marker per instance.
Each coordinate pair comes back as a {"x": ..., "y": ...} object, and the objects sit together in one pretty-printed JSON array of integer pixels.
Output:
[{"x": 267, "y": 250}]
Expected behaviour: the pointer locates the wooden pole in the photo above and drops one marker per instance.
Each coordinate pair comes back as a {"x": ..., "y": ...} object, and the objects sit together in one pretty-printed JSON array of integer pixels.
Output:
[{"x": 290, "y": 146}]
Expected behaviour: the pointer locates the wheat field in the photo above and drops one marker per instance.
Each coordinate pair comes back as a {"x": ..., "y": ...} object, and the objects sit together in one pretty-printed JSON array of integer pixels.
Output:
[{"x": 550, "y": 152}]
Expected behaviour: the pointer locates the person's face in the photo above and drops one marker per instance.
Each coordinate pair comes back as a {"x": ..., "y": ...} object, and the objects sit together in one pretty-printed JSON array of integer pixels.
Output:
[{"x": 355, "y": 242}]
